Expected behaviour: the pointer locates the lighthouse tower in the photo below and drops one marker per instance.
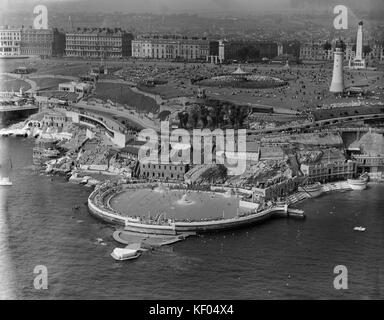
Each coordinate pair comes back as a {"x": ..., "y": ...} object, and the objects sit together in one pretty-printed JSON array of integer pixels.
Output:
[
  {"x": 358, "y": 62},
  {"x": 337, "y": 85}
]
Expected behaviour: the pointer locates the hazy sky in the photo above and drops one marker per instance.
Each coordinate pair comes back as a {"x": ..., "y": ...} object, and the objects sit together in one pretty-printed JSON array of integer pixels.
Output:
[{"x": 192, "y": 6}]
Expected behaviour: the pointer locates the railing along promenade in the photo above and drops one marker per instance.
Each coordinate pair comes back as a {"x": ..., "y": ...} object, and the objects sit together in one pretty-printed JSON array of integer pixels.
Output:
[
  {"x": 316, "y": 124},
  {"x": 9, "y": 108}
]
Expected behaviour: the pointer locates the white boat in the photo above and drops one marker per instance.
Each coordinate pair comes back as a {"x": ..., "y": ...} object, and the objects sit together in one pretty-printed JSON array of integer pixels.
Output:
[
  {"x": 76, "y": 178},
  {"x": 364, "y": 176},
  {"x": 314, "y": 190},
  {"x": 120, "y": 254},
  {"x": 85, "y": 180},
  {"x": 358, "y": 184},
  {"x": 93, "y": 182},
  {"x": 361, "y": 229},
  {"x": 5, "y": 182}
]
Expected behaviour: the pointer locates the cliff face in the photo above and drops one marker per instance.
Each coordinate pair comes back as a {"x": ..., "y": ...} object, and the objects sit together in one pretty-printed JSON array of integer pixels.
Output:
[
  {"x": 207, "y": 174},
  {"x": 308, "y": 139},
  {"x": 264, "y": 172},
  {"x": 371, "y": 144}
]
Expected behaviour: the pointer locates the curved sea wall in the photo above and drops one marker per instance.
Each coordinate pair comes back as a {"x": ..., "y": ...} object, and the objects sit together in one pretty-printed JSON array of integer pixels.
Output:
[{"x": 99, "y": 208}]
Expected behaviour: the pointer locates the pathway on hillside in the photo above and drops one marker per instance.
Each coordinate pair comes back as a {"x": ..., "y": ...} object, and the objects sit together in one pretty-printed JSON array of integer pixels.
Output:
[
  {"x": 23, "y": 78},
  {"x": 127, "y": 114}
]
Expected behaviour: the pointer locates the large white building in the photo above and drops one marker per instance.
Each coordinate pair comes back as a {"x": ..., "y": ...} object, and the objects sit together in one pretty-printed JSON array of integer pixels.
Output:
[
  {"x": 377, "y": 52},
  {"x": 98, "y": 43},
  {"x": 170, "y": 47},
  {"x": 36, "y": 42},
  {"x": 10, "y": 41},
  {"x": 142, "y": 49},
  {"x": 315, "y": 52},
  {"x": 80, "y": 88}
]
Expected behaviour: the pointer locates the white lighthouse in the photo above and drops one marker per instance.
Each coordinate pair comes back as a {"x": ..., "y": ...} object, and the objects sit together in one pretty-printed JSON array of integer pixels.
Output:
[
  {"x": 358, "y": 62},
  {"x": 337, "y": 85}
]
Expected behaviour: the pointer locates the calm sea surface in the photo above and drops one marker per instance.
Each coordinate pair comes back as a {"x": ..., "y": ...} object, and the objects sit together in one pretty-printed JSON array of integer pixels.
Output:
[{"x": 280, "y": 258}]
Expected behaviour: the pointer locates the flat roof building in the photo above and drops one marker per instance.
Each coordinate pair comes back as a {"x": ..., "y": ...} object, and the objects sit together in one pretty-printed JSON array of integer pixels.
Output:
[
  {"x": 36, "y": 42},
  {"x": 98, "y": 43},
  {"x": 239, "y": 50},
  {"x": 10, "y": 41},
  {"x": 327, "y": 172},
  {"x": 164, "y": 172},
  {"x": 81, "y": 88},
  {"x": 171, "y": 47}
]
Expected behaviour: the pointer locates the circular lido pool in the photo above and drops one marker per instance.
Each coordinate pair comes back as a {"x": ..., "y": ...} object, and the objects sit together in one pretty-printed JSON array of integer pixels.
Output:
[
  {"x": 154, "y": 209},
  {"x": 178, "y": 205}
]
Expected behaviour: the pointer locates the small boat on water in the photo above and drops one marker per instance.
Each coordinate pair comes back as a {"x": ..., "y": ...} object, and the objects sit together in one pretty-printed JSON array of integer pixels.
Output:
[
  {"x": 314, "y": 190},
  {"x": 361, "y": 229},
  {"x": 75, "y": 178},
  {"x": 360, "y": 183},
  {"x": 120, "y": 254},
  {"x": 85, "y": 180},
  {"x": 5, "y": 182},
  {"x": 92, "y": 182},
  {"x": 365, "y": 176}
]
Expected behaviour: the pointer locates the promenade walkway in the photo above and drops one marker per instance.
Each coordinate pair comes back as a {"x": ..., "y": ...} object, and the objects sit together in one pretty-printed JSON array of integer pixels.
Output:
[{"x": 126, "y": 114}]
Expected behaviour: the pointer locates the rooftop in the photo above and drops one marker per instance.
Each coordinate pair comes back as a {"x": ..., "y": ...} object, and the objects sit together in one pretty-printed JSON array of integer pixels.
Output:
[
  {"x": 240, "y": 71},
  {"x": 98, "y": 31}
]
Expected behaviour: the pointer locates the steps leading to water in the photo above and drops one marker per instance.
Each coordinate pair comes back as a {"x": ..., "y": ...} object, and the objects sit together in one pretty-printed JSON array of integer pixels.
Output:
[
  {"x": 341, "y": 185},
  {"x": 297, "y": 197}
]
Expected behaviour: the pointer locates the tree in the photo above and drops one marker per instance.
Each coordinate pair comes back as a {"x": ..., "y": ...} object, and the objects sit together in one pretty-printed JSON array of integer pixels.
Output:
[
  {"x": 204, "y": 116},
  {"x": 232, "y": 115},
  {"x": 242, "y": 115},
  {"x": 366, "y": 50},
  {"x": 194, "y": 115},
  {"x": 327, "y": 46},
  {"x": 183, "y": 118}
]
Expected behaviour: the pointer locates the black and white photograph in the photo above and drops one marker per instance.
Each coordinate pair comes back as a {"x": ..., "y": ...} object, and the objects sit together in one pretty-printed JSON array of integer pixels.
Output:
[{"x": 191, "y": 150}]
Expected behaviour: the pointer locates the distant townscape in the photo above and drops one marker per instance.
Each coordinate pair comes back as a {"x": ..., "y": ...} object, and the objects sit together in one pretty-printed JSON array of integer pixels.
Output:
[
  {"x": 309, "y": 106},
  {"x": 115, "y": 43}
]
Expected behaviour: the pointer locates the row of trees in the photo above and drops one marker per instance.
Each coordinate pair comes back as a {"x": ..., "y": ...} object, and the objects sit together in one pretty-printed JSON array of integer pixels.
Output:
[
  {"x": 217, "y": 116},
  {"x": 366, "y": 48}
]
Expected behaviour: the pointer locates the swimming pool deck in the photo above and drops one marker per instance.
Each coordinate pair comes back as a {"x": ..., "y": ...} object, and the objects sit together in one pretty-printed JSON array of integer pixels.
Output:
[
  {"x": 147, "y": 240},
  {"x": 174, "y": 228},
  {"x": 98, "y": 208}
]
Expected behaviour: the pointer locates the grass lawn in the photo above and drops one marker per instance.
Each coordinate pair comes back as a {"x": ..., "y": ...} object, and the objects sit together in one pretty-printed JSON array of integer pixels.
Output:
[
  {"x": 124, "y": 95},
  {"x": 9, "y": 84},
  {"x": 167, "y": 91},
  {"x": 48, "y": 83}
]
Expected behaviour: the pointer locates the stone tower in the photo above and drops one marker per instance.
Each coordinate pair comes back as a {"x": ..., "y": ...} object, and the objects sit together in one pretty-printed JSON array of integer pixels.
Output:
[
  {"x": 359, "y": 61},
  {"x": 359, "y": 42}
]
